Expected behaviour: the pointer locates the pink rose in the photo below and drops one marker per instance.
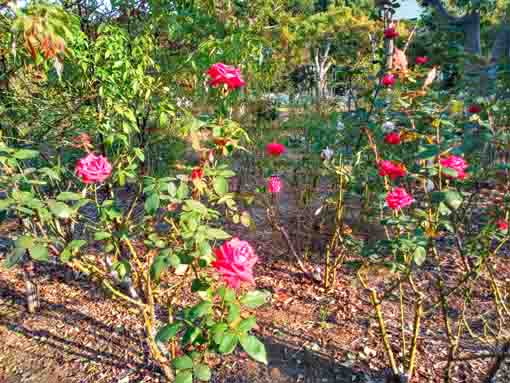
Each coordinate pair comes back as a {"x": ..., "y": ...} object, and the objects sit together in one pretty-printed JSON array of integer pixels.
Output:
[
  {"x": 456, "y": 163},
  {"x": 225, "y": 74},
  {"x": 421, "y": 60},
  {"x": 392, "y": 138},
  {"x": 275, "y": 149},
  {"x": 92, "y": 169},
  {"x": 235, "y": 260},
  {"x": 388, "y": 80},
  {"x": 391, "y": 169},
  {"x": 399, "y": 198},
  {"x": 274, "y": 185}
]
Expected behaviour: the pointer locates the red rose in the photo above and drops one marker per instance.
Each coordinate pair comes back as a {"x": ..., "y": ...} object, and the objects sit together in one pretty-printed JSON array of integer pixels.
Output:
[
  {"x": 421, "y": 60},
  {"x": 502, "y": 224},
  {"x": 399, "y": 198},
  {"x": 390, "y": 33},
  {"x": 275, "y": 149},
  {"x": 475, "y": 109},
  {"x": 392, "y": 138},
  {"x": 197, "y": 173},
  {"x": 225, "y": 74},
  {"x": 391, "y": 169},
  {"x": 388, "y": 80}
]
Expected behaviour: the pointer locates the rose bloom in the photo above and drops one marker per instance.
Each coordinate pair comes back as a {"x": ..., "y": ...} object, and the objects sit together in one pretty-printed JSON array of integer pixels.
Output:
[
  {"x": 456, "y": 163},
  {"x": 225, "y": 74},
  {"x": 275, "y": 149},
  {"x": 502, "y": 224},
  {"x": 392, "y": 138},
  {"x": 235, "y": 260},
  {"x": 388, "y": 80},
  {"x": 274, "y": 184},
  {"x": 197, "y": 173},
  {"x": 474, "y": 109},
  {"x": 399, "y": 198},
  {"x": 391, "y": 169},
  {"x": 92, "y": 169},
  {"x": 390, "y": 33},
  {"x": 421, "y": 60}
]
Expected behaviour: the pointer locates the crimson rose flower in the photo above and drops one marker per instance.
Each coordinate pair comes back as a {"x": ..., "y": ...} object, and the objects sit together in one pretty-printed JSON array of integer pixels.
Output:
[
  {"x": 391, "y": 169},
  {"x": 399, "y": 198},
  {"x": 275, "y": 149},
  {"x": 225, "y": 74}
]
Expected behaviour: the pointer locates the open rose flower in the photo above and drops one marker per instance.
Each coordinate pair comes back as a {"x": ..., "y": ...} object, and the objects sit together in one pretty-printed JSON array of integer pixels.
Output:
[
  {"x": 275, "y": 149},
  {"x": 391, "y": 33},
  {"x": 399, "y": 198},
  {"x": 235, "y": 260},
  {"x": 225, "y": 74},
  {"x": 421, "y": 60},
  {"x": 456, "y": 163},
  {"x": 274, "y": 184},
  {"x": 197, "y": 174},
  {"x": 392, "y": 138},
  {"x": 474, "y": 109},
  {"x": 93, "y": 169},
  {"x": 388, "y": 80},
  {"x": 502, "y": 224},
  {"x": 391, "y": 169}
]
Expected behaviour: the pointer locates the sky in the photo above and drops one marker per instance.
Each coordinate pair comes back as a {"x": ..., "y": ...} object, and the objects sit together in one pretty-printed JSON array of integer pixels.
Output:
[{"x": 408, "y": 9}]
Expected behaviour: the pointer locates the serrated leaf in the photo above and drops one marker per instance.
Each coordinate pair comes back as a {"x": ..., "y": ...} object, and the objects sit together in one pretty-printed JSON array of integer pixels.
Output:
[{"x": 220, "y": 186}]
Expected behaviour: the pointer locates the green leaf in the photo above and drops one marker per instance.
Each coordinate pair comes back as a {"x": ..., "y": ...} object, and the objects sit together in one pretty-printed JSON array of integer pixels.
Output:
[
  {"x": 453, "y": 199},
  {"x": 217, "y": 331},
  {"x": 39, "y": 253},
  {"x": 450, "y": 172},
  {"x": 254, "y": 348},
  {"x": 190, "y": 335},
  {"x": 234, "y": 312},
  {"x": 200, "y": 310},
  {"x": 213, "y": 233},
  {"x": 168, "y": 332},
  {"x": 25, "y": 242},
  {"x": 427, "y": 152},
  {"x": 182, "y": 362},
  {"x": 14, "y": 257},
  {"x": 122, "y": 268},
  {"x": 228, "y": 343},
  {"x": 68, "y": 196},
  {"x": 247, "y": 324},
  {"x": 25, "y": 154},
  {"x": 182, "y": 191},
  {"x": 184, "y": 377},
  {"x": 196, "y": 206},
  {"x": 420, "y": 254},
  {"x": 220, "y": 186},
  {"x": 254, "y": 299},
  {"x": 227, "y": 294},
  {"x": 102, "y": 235},
  {"x": 152, "y": 203},
  {"x": 202, "y": 372},
  {"x": 159, "y": 265},
  {"x": 60, "y": 209},
  {"x": 6, "y": 204}
]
